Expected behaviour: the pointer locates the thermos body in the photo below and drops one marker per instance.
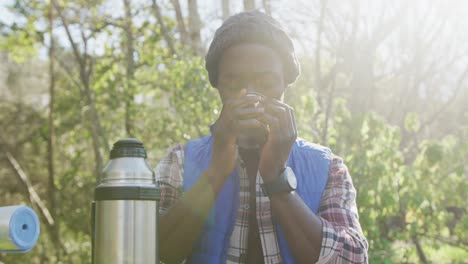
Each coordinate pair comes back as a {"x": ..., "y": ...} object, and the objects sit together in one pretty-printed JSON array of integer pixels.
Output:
[
  {"x": 126, "y": 231},
  {"x": 125, "y": 211}
]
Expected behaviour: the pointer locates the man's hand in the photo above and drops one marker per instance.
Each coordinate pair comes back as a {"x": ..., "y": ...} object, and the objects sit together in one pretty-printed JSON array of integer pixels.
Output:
[
  {"x": 282, "y": 135},
  {"x": 236, "y": 115}
]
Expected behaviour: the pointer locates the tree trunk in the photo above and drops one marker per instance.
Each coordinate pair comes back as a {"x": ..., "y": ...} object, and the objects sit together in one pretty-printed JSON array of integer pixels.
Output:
[
  {"x": 85, "y": 74},
  {"x": 225, "y": 9},
  {"x": 328, "y": 110},
  {"x": 249, "y": 5},
  {"x": 180, "y": 22},
  {"x": 318, "y": 50},
  {"x": 419, "y": 250},
  {"x": 50, "y": 140},
  {"x": 318, "y": 62},
  {"x": 162, "y": 25},
  {"x": 129, "y": 92},
  {"x": 93, "y": 126},
  {"x": 195, "y": 27}
]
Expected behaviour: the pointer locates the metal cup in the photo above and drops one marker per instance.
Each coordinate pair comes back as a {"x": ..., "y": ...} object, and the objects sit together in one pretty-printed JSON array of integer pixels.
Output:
[{"x": 253, "y": 138}]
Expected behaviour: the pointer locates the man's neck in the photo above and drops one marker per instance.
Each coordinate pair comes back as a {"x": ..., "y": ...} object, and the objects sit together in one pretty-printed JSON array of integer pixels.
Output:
[{"x": 250, "y": 157}]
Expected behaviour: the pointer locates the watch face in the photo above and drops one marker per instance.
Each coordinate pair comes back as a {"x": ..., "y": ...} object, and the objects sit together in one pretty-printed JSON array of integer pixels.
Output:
[{"x": 291, "y": 178}]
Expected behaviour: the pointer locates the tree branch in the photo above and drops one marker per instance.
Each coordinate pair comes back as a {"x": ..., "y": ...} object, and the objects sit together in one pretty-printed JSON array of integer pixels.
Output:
[
  {"x": 70, "y": 75},
  {"x": 31, "y": 192},
  {"x": 162, "y": 25},
  {"x": 76, "y": 52},
  {"x": 180, "y": 22},
  {"x": 458, "y": 86}
]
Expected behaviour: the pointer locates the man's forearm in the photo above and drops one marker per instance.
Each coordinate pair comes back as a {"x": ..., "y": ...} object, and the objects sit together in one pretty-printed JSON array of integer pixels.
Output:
[
  {"x": 182, "y": 224},
  {"x": 301, "y": 227}
]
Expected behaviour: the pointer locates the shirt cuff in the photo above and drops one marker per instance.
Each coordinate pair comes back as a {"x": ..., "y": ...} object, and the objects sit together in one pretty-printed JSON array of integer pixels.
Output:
[{"x": 342, "y": 245}]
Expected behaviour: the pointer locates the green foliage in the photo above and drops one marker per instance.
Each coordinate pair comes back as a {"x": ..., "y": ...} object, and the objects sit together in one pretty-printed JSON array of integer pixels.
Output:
[
  {"x": 412, "y": 122},
  {"x": 20, "y": 46},
  {"x": 400, "y": 196}
]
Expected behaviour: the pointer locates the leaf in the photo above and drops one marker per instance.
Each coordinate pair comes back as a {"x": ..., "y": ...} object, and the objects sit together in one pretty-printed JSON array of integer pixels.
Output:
[
  {"x": 412, "y": 123},
  {"x": 434, "y": 153}
]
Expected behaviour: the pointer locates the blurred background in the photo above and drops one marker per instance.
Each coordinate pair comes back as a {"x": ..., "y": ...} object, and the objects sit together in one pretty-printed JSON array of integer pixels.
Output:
[{"x": 384, "y": 84}]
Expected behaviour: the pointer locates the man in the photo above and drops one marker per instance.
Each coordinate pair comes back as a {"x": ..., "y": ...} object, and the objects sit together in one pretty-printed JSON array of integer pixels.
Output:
[{"x": 251, "y": 192}]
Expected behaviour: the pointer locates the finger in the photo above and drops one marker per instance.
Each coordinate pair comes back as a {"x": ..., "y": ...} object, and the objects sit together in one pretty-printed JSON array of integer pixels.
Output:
[
  {"x": 278, "y": 111},
  {"x": 229, "y": 107},
  {"x": 282, "y": 115},
  {"x": 289, "y": 121},
  {"x": 242, "y": 102},
  {"x": 277, "y": 102},
  {"x": 273, "y": 125},
  {"x": 248, "y": 113},
  {"x": 240, "y": 125}
]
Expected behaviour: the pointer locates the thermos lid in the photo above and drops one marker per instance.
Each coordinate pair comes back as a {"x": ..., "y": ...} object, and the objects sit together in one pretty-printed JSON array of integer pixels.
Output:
[{"x": 128, "y": 147}]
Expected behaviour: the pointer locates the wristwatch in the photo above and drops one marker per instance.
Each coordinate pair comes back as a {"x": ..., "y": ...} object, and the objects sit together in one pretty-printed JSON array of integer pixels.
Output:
[{"x": 286, "y": 182}]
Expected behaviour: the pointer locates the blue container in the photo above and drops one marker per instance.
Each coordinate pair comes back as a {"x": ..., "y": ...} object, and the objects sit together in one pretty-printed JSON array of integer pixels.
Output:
[{"x": 19, "y": 229}]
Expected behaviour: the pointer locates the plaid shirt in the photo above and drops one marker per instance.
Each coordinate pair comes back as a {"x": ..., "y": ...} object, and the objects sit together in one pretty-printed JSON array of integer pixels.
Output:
[{"x": 342, "y": 242}]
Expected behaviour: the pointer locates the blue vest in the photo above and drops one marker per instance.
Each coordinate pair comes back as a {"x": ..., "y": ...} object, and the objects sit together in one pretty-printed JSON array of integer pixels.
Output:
[{"x": 310, "y": 164}]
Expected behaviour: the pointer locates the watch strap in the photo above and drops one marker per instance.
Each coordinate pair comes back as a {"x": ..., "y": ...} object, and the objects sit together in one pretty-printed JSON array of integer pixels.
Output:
[{"x": 280, "y": 184}]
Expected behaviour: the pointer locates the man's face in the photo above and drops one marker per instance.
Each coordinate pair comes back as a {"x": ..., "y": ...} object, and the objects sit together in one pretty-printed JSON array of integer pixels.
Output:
[{"x": 247, "y": 68}]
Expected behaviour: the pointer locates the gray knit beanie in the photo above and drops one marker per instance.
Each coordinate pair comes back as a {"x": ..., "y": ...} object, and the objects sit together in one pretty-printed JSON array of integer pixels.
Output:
[{"x": 252, "y": 27}]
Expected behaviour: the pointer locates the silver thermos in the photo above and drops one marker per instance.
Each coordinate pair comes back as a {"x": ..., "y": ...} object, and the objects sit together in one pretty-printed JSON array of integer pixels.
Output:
[{"x": 125, "y": 208}]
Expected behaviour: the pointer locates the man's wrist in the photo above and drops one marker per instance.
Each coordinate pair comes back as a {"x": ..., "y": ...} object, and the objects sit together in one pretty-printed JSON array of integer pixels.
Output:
[
  {"x": 271, "y": 175},
  {"x": 215, "y": 179},
  {"x": 284, "y": 182},
  {"x": 279, "y": 196}
]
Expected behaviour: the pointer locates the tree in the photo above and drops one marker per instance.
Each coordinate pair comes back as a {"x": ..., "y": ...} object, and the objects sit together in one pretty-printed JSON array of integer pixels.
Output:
[
  {"x": 51, "y": 137},
  {"x": 180, "y": 23},
  {"x": 384, "y": 85},
  {"x": 195, "y": 26},
  {"x": 85, "y": 63}
]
